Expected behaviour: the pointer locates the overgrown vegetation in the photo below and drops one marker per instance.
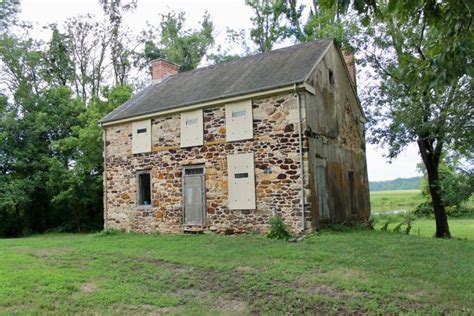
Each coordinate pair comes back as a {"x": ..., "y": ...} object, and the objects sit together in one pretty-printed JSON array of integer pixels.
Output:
[
  {"x": 278, "y": 229},
  {"x": 345, "y": 272}
]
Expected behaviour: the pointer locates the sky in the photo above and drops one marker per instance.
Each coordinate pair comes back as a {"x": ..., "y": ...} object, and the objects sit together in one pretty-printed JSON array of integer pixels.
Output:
[{"x": 225, "y": 13}]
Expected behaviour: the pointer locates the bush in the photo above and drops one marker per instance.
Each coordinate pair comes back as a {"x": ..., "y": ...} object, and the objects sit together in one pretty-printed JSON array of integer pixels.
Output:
[
  {"x": 110, "y": 232},
  {"x": 457, "y": 189},
  {"x": 278, "y": 229},
  {"x": 425, "y": 209}
]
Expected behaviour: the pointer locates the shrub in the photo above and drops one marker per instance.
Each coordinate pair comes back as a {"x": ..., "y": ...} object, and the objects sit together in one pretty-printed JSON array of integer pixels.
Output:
[
  {"x": 423, "y": 210},
  {"x": 110, "y": 232},
  {"x": 278, "y": 229}
]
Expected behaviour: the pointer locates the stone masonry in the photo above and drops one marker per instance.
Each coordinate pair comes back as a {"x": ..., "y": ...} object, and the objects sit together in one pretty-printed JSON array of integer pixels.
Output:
[{"x": 275, "y": 146}]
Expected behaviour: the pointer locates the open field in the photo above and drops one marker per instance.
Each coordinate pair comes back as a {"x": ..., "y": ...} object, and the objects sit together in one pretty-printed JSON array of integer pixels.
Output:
[
  {"x": 406, "y": 200},
  {"x": 351, "y": 271}
]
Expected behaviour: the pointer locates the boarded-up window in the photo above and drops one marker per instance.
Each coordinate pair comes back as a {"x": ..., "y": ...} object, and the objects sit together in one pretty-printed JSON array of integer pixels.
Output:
[
  {"x": 191, "y": 129},
  {"x": 144, "y": 188},
  {"x": 141, "y": 137},
  {"x": 239, "y": 121},
  {"x": 352, "y": 192},
  {"x": 241, "y": 177},
  {"x": 322, "y": 192}
]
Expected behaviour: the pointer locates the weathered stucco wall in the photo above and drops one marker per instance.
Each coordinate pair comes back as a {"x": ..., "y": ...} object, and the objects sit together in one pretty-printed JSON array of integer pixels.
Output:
[
  {"x": 275, "y": 145},
  {"x": 335, "y": 130}
]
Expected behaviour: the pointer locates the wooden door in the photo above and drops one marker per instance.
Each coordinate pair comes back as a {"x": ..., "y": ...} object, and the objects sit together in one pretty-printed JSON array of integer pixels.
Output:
[{"x": 194, "y": 193}]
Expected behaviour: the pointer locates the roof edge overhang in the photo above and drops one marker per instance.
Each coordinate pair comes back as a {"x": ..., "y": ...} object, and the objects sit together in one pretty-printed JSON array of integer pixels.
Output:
[{"x": 289, "y": 87}]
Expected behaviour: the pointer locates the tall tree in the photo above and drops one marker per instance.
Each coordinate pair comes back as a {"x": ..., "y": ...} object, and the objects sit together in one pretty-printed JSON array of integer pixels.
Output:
[
  {"x": 323, "y": 21},
  {"x": 75, "y": 173},
  {"x": 268, "y": 23},
  {"x": 185, "y": 47},
  {"x": 89, "y": 43},
  {"x": 452, "y": 18},
  {"x": 59, "y": 67},
  {"x": 274, "y": 21},
  {"x": 119, "y": 37},
  {"x": 50, "y": 142},
  {"x": 420, "y": 99}
]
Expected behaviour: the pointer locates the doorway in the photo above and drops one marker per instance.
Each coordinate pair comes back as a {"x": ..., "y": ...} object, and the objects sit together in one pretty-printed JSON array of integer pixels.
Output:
[{"x": 194, "y": 195}]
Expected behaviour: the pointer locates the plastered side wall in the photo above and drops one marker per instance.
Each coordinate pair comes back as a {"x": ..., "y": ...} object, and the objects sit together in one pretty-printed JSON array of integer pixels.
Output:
[
  {"x": 275, "y": 146},
  {"x": 335, "y": 132}
]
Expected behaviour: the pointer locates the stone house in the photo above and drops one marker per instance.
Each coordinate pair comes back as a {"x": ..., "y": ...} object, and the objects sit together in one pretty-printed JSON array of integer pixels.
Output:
[{"x": 225, "y": 147}]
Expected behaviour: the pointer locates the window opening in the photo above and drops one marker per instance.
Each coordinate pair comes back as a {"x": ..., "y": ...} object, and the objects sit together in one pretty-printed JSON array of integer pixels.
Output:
[
  {"x": 141, "y": 130},
  {"x": 193, "y": 171},
  {"x": 241, "y": 175},
  {"x": 144, "y": 189},
  {"x": 331, "y": 77}
]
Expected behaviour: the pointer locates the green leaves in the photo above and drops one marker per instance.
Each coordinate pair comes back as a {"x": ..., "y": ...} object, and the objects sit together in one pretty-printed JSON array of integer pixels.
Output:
[
  {"x": 268, "y": 23},
  {"x": 185, "y": 47},
  {"x": 50, "y": 150}
]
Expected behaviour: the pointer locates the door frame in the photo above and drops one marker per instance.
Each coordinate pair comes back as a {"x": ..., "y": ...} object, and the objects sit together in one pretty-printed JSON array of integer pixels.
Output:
[{"x": 203, "y": 196}]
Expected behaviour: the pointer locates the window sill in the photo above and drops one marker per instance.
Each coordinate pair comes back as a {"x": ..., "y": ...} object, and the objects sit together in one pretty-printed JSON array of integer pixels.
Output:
[{"x": 140, "y": 207}]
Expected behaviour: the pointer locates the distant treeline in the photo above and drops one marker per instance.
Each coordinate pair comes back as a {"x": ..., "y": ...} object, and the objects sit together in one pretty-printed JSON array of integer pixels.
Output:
[{"x": 396, "y": 184}]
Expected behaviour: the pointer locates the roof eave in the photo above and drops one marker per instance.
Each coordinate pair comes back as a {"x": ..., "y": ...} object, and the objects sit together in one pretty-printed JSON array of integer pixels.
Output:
[{"x": 287, "y": 87}]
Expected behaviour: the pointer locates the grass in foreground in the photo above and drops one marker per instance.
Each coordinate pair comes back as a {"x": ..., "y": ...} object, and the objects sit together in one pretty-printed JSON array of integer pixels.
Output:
[
  {"x": 384, "y": 201},
  {"x": 334, "y": 272}
]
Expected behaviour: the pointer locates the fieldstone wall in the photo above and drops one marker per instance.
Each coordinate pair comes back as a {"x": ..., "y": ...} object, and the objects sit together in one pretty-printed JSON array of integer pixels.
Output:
[{"x": 275, "y": 145}]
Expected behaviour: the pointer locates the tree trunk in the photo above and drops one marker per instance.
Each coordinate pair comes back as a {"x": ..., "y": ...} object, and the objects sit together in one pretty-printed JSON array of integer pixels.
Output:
[{"x": 431, "y": 163}]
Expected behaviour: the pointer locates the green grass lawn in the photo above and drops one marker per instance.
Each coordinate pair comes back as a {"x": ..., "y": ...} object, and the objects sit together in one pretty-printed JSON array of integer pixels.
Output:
[
  {"x": 351, "y": 271},
  {"x": 459, "y": 227},
  {"x": 383, "y": 201}
]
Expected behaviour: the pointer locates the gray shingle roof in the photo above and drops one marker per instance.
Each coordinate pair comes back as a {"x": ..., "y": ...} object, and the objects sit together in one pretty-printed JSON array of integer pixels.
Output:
[{"x": 278, "y": 68}]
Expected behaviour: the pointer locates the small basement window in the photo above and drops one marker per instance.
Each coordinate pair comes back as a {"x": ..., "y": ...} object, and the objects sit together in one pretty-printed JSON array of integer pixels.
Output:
[
  {"x": 241, "y": 175},
  {"x": 141, "y": 130},
  {"x": 144, "y": 188}
]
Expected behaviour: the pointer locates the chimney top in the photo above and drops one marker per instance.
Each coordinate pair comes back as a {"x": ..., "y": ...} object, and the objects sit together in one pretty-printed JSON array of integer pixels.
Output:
[
  {"x": 350, "y": 63},
  {"x": 161, "y": 69}
]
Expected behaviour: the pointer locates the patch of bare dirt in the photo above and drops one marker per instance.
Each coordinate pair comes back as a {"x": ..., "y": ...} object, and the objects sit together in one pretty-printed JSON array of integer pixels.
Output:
[
  {"x": 88, "y": 287},
  {"x": 42, "y": 252},
  {"x": 149, "y": 310},
  {"x": 246, "y": 269}
]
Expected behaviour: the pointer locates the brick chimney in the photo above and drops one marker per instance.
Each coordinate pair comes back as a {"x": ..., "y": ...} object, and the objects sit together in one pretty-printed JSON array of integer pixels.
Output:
[
  {"x": 161, "y": 69},
  {"x": 350, "y": 63}
]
